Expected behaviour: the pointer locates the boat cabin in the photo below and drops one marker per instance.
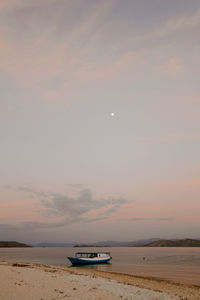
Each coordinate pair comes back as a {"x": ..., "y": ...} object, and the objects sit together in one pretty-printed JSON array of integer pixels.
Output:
[{"x": 92, "y": 254}]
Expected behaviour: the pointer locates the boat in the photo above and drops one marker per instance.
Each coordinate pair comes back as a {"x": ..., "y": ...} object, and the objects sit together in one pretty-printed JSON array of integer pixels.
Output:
[{"x": 86, "y": 258}]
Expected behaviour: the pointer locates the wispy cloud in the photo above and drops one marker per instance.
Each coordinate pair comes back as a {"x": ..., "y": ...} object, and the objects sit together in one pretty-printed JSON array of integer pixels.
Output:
[
  {"x": 75, "y": 185},
  {"x": 171, "y": 26},
  {"x": 42, "y": 54},
  {"x": 7, "y": 3},
  {"x": 172, "y": 68},
  {"x": 63, "y": 205},
  {"x": 50, "y": 46},
  {"x": 178, "y": 23},
  {"x": 152, "y": 219},
  {"x": 173, "y": 138},
  {"x": 32, "y": 192},
  {"x": 69, "y": 210}
]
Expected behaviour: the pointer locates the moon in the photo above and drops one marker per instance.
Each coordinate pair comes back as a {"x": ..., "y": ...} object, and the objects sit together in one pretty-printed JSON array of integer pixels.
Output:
[{"x": 112, "y": 114}]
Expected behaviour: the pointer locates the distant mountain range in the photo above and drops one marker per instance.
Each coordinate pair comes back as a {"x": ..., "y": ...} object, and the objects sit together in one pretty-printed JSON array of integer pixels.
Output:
[
  {"x": 116, "y": 243},
  {"x": 12, "y": 244},
  {"x": 97, "y": 244},
  {"x": 154, "y": 242}
]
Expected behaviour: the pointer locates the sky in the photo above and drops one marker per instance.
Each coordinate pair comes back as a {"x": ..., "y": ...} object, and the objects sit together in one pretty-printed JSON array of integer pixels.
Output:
[{"x": 99, "y": 120}]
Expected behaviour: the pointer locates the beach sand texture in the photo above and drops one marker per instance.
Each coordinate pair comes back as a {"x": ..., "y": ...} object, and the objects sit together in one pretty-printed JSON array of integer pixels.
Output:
[{"x": 44, "y": 282}]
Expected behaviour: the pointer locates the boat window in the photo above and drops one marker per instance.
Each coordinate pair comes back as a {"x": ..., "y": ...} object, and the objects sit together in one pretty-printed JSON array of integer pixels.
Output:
[{"x": 92, "y": 255}]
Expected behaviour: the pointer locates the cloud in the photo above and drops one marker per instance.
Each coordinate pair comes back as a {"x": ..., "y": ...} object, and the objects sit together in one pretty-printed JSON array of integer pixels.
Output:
[
  {"x": 8, "y": 3},
  {"x": 68, "y": 210},
  {"x": 110, "y": 70},
  {"x": 51, "y": 47},
  {"x": 172, "y": 26},
  {"x": 172, "y": 68},
  {"x": 63, "y": 205},
  {"x": 179, "y": 23},
  {"x": 176, "y": 29},
  {"x": 75, "y": 185},
  {"x": 33, "y": 193},
  {"x": 152, "y": 219},
  {"x": 34, "y": 226},
  {"x": 173, "y": 138},
  {"x": 66, "y": 40}
]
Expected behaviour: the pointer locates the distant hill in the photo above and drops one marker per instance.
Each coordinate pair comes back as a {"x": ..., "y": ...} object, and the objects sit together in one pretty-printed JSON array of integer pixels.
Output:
[
  {"x": 54, "y": 245},
  {"x": 174, "y": 243},
  {"x": 12, "y": 244}
]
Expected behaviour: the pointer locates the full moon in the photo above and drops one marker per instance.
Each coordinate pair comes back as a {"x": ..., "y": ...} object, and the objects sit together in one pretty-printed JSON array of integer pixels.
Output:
[{"x": 112, "y": 114}]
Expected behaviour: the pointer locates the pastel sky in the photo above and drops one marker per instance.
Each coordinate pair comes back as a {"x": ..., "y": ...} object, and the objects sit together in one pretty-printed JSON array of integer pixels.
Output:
[{"x": 70, "y": 171}]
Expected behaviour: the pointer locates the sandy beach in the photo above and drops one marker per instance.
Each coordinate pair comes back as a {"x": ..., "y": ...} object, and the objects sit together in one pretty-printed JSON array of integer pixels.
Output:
[{"x": 46, "y": 282}]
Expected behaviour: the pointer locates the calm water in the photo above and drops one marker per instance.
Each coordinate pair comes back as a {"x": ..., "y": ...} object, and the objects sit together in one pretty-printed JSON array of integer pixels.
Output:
[{"x": 178, "y": 264}]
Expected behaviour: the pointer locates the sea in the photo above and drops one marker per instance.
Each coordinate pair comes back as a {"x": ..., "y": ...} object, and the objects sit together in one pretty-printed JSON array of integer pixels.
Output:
[{"x": 177, "y": 264}]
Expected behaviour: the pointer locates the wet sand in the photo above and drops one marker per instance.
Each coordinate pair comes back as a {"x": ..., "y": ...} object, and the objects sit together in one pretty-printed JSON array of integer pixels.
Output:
[{"x": 46, "y": 282}]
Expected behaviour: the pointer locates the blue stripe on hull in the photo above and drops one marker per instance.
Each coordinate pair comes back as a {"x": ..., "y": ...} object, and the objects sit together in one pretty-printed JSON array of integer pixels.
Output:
[{"x": 77, "y": 261}]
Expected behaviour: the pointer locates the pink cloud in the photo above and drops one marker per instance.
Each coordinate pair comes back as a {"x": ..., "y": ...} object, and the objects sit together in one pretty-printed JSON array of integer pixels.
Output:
[
  {"x": 6, "y": 3},
  {"x": 172, "y": 68},
  {"x": 178, "y": 137},
  {"x": 34, "y": 62},
  {"x": 178, "y": 23},
  {"x": 18, "y": 210},
  {"x": 93, "y": 71},
  {"x": 34, "y": 59},
  {"x": 169, "y": 201}
]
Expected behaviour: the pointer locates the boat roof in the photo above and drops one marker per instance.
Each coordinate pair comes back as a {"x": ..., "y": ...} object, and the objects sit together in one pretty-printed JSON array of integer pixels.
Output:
[{"x": 93, "y": 252}]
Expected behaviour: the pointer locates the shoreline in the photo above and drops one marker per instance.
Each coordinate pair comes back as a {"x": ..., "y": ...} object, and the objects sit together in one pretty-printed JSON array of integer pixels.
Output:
[{"x": 182, "y": 291}]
